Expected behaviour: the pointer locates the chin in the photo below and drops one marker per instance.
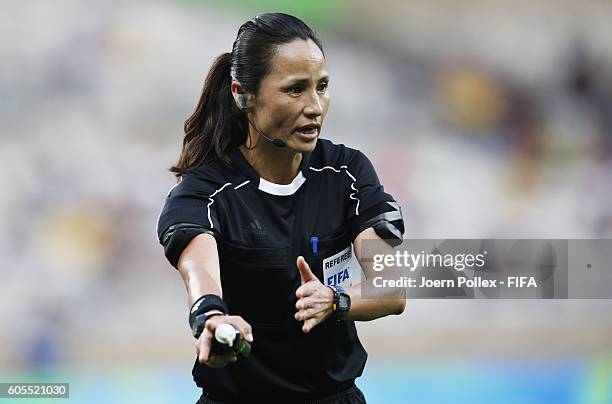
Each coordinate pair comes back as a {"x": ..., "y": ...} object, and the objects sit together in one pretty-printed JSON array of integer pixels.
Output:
[{"x": 303, "y": 147}]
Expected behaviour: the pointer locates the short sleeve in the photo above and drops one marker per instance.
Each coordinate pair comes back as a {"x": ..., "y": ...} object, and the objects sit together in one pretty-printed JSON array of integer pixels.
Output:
[
  {"x": 367, "y": 197},
  {"x": 189, "y": 209}
]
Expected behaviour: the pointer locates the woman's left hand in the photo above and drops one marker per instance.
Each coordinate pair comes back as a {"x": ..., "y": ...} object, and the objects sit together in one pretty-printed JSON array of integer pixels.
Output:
[{"x": 315, "y": 300}]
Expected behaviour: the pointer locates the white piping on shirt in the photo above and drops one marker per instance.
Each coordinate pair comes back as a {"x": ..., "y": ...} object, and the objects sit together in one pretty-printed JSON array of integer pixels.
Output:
[
  {"x": 210, "y": 198},
  {"x": 326, "y": 167},
  {"x": 352, "y": 195},
  {"x": 244, "y": 183}
]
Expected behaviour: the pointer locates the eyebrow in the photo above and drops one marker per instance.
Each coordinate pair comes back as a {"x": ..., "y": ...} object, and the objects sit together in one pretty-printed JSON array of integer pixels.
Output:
[{"x": 304, "y": 80}]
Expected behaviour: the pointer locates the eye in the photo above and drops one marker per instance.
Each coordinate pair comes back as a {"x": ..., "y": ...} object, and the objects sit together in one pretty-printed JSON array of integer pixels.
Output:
[
  {"x": 323, "y": 86},
  {"x": 295, "y": 90}
]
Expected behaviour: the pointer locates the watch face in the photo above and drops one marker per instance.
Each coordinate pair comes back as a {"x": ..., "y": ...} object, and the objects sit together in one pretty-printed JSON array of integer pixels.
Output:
[{"x": 344, "y": 302}]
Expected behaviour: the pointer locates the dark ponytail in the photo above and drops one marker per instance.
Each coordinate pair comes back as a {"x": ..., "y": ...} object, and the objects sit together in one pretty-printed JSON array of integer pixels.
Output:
[{"x": 217, "y": 125}]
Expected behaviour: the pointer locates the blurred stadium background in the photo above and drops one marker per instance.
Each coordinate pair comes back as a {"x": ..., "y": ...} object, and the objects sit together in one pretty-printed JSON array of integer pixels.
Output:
[{"x": 484, "y": 118}]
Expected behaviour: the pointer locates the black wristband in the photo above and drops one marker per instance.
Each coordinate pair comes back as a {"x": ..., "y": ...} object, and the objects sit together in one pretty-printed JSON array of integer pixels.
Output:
[
  {"x": 197, "y": 328},
  {"x": 204, "y": 304}
]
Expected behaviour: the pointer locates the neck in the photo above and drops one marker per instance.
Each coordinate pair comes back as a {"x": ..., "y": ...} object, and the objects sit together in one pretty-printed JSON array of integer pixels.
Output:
[{"x": 274, "y": 164}]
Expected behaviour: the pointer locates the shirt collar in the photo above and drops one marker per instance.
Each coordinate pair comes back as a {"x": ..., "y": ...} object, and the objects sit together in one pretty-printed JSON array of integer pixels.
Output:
[{"x": 275, "y": 189}]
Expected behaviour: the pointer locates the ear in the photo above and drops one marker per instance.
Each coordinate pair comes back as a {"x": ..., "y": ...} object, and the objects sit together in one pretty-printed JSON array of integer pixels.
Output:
[{"x": 241, "y": 97}]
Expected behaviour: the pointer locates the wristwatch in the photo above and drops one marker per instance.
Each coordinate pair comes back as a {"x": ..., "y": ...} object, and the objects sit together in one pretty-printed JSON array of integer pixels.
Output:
[{"x": 341, "y": 304}]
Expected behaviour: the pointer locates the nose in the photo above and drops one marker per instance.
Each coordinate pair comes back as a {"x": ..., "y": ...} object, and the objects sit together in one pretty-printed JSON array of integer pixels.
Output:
[{"x": 314, "y": 105}]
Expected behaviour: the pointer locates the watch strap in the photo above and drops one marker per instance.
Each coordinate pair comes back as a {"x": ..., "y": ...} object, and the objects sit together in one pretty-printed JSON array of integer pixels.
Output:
[{"x": 337, "y": 313}]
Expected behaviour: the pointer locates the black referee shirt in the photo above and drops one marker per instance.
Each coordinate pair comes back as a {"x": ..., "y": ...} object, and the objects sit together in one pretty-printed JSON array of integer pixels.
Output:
[{"x": 261, "y": 228}]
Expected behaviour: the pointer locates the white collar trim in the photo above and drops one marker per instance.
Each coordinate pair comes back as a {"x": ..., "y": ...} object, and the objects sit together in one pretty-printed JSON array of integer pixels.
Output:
[{"x": 282, "y": 190}]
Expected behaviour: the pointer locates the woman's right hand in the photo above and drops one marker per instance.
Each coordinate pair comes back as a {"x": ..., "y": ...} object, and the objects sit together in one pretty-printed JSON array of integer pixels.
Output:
[{"x": 204, "y": 343}]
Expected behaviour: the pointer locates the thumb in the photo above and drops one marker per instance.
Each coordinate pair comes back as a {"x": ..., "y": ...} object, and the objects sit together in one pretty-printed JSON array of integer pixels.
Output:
[{"x": 305, "y": 272}]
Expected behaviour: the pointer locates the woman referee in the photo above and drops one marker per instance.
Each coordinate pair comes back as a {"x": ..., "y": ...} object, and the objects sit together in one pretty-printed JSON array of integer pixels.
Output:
[{"x": 261, "y": 221}]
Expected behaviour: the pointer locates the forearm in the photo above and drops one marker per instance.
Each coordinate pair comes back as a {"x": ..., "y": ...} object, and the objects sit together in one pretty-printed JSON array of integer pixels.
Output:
[
  {"x": 375, "y": 302},
  {"x": 198, "y": 283},
  {"x": 388, "y": 302},
  {"x": 199, "y": 268}
]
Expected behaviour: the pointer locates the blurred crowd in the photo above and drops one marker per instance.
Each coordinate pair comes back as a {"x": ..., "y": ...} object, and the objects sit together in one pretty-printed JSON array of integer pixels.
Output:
[{"x": 483, "y": 119}]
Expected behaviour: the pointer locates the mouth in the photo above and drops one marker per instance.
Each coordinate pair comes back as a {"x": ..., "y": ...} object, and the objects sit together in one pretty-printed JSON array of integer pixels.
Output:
[{"x": 309, "y": 130}]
